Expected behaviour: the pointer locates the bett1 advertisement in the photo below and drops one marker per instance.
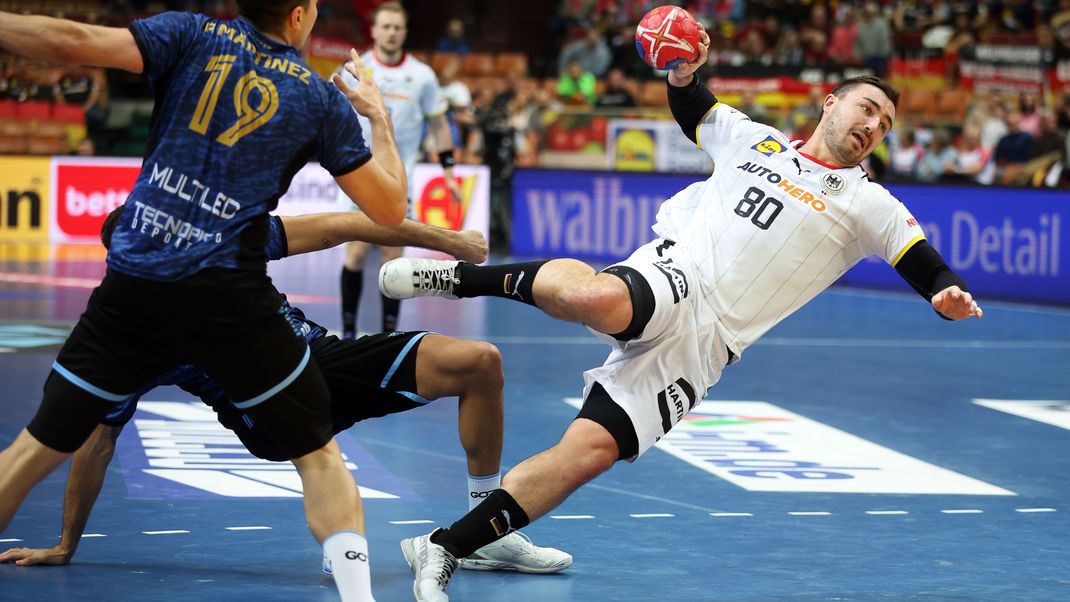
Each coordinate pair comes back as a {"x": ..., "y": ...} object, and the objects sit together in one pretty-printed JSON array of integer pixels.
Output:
[
  {"x": 1007, "y": 243},
  {"x": 65, "y": 199}
]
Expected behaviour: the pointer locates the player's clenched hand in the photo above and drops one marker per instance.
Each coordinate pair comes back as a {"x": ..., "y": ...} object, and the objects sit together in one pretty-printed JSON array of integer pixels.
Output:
[
  {"x": 471, "y": 246},
  {"x": 956, "y": 304},
  {"x": 28, "y": 556},
  {"x": 366, "y": 98},
  {"x": 681, "y": 73}
]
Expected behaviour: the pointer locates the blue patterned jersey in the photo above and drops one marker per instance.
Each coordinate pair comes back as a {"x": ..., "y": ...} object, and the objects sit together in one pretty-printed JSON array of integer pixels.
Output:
[
  {"x": 236, "y": 116},
  {"x": 194, "y": 381}
]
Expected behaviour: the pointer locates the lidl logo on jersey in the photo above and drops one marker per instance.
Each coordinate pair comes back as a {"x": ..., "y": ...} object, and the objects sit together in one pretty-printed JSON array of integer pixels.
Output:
[
  {"x": 1048, "y": 411},
  {"x": 769, "y": 146},
  {"x": 177, "y": 450},
  {"x": 762, "y": 447}
]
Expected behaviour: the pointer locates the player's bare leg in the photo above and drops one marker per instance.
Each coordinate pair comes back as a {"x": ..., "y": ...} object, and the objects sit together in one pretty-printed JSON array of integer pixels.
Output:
[
  {"x": 566, "y": 289},
  {"x": 472, "y": 371},
  {"x": 22, "y": 465}
]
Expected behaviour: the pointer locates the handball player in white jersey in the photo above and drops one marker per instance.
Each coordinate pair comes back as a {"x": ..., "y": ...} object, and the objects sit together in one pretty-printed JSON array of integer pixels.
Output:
[
  {"x": 413, "y": 97},
  {"x": 775, "y": 225}
]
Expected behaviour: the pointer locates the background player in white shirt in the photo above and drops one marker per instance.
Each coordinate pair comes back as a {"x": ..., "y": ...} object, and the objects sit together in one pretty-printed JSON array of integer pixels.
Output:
[
  {"x": 737, "y": 253},
  {"x": 412, "y": 96}
]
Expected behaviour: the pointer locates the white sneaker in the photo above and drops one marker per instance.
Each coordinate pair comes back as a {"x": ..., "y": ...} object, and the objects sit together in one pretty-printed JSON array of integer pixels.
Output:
[
  {"x": 406, "y": 277},
  {"x": 327, "y": 565},
  {"x": 515, "y": 552},
  {"x": 432, "y": 567}
]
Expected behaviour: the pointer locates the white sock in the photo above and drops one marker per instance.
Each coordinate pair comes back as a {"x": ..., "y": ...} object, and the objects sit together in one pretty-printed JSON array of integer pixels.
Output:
[
  {"x": 479, "y": 487},
  {"x": 348, "y": 553}
]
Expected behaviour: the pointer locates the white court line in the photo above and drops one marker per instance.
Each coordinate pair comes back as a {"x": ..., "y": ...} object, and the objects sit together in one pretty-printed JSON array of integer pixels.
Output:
[
  {"x": 172, "y": 532},
  {"x": 412, "y": 522},
  {"x": 1034, "y": 509},
  {"x": 84, "y": 535},
  {"x": 731, "y": 514},
  {"x": 886, "y": 512},
  {"x": 13, "y": 540},
  {"x": 963, "y": 511},
  {"x": 652, "y": 515},
  {"x": 6, "y": 349},
  {"x": 571, "y": 516},
  {"x": 810, "y": 513},
  {"x": 253, "y": 528}
]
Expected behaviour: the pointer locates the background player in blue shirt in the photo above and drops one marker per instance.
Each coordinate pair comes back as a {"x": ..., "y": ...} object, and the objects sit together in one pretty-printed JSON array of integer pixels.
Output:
[
  {"x": 237, "y": 113},
  {"x": 368, "y": 378}
]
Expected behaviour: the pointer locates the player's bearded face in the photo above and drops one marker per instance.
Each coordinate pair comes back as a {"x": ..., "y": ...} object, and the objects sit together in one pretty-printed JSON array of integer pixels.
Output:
[
  {"x": 856, "y": 124},
  {"x": 389, "y": 32}
]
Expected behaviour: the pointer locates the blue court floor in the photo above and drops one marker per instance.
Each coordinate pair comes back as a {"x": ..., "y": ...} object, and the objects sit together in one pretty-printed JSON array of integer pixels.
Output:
[{"x": 863, "y": 450}]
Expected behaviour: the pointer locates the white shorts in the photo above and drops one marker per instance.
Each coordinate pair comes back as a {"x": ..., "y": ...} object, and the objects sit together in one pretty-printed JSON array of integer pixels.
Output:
[{"x": 659, "y": 376}]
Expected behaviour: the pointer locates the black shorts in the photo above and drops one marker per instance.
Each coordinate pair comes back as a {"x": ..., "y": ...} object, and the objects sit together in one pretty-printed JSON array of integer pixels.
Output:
[
  {"x": 370, "y": 377},
  {"x": 226, "y": 322}
]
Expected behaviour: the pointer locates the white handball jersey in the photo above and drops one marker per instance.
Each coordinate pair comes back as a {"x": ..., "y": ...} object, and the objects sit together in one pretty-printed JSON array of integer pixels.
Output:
[
  {"x": 773, "y": 227},
  {"x": 412, "y": 96}
]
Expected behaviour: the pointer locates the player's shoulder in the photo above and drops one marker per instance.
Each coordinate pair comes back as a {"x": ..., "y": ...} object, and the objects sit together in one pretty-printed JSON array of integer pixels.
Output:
[{"x": 419, "y": 68}]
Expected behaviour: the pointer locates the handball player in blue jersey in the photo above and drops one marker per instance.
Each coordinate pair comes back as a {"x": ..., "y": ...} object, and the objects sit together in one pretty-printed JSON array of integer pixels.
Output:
[
  {"x": 237, "y": 113},
  {"x": 368, "y": 378}
]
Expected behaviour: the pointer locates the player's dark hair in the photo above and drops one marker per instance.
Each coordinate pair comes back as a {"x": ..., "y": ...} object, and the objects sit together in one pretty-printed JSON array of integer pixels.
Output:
[
  {"x": 841, "y": 88},
  {"x": 108, "y": 227},
  {"x": 269, "y": 15},
  {"x": 845, "y": 86},
  {"x": 390, "y": 7}
]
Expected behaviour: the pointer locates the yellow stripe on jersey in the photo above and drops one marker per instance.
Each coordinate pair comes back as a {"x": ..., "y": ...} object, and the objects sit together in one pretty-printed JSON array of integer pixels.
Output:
[
  {"x": 698, "y": 141},
  {"x": 439, "y": 114},
  {"x": 908, "y": 246}
]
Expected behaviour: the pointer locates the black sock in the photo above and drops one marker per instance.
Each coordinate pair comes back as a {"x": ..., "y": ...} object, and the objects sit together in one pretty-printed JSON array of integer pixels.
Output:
[
  {"x": 391, "y": 309},
  {"x": 495, "y": 516},
  {"x": 352, "y": 284},
  {"x": 508, "y": 281}
]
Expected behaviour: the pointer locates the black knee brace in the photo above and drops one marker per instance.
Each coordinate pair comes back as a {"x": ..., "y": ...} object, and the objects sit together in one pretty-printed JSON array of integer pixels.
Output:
[{"x": 642, "y": 300}]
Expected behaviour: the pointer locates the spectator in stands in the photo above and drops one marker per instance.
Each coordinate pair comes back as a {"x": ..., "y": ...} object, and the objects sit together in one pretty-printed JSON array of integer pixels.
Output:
[
  {"x": 82, "y": 86},
  {"x": 453, "y": 41},
  {"x": 803, "y": 118},
  {"x": 1049, "y": 140},
  {"x": 753, "y": 49},
  {"x": 1013, "y": 150},
  {"x": 939, "y": 158},
  {"x": 543, "y": 114},
  {"x": 749, "y": 106},
  {"x": 1060, "y": 25},
  {"x": 1027, "y": 106},
  {"x": 815, "y": 32},
  {"x": 873, "y": 45},
  {"x": 788, "y": 51},
  {"x": 576, "y": 86},
  {"x": 621, "y": 40},
  {"x": 616, "y": 94},
  {"x": 972, "y": 158},
  {"x": 459, "y": 98},
  {"x": 591, "y": 51},
  {"x": 1062, "y": 107},
  {"x": 842, "y": 43},
  {"x": 994, "y": 126},
  {"x": 904, "y": 155},
  {"x": 85, "y": 148}
]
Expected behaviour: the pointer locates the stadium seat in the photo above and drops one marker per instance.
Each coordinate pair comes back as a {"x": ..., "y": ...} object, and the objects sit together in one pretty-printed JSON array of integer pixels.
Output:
[
  {"x": 46, "y": 145},
  {"x": 511, "y": 63},
  {"x": 915, "y": 103},
  {"x": 951, "y": 106},
  {"x": 71, "y": 114},
  {"x": 7, "y": 109},
  {"x": 12, "y": 145},
  {"x": 479, "y": 64},
  {"x": 440, "y": 60},
  {"x": 421, "y": 55},
  {"x": 653, "y": 94}
]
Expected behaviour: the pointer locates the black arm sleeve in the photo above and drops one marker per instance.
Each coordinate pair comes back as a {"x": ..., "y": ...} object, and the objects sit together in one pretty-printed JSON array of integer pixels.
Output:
[
  {"x": 690, "y": 104},
  {"x": 925, "y": 271}
]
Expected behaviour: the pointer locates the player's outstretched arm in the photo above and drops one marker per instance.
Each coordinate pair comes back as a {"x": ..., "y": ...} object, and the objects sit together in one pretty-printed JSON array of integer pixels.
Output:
[
  {"x": 439, "y": 126},
  {"x": 683, "y": 74},
  {"x": 380, "y": 187},
  {"x": 318, "y": 231},
  {"x": 64, "y": 41},
  {"x": 84, "y": 481},
  {"x": 926, "y": 272},
  {"x": 689, "y": 100}
]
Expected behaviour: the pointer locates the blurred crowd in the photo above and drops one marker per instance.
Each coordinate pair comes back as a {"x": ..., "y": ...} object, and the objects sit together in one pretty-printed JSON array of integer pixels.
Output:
[{"x": 513, "y": 116}]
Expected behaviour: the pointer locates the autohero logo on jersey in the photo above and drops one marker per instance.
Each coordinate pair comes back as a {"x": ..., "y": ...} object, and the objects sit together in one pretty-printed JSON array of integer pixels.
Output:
[
  {"x": 762, "y": 447},
  {"x": 784, "y": 185},
  {"x": 87, "y": 192},
  {"x": 177, "y": 450}
]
